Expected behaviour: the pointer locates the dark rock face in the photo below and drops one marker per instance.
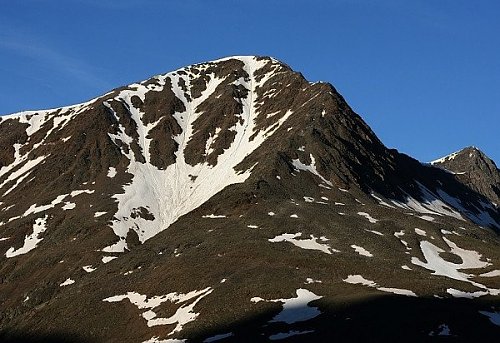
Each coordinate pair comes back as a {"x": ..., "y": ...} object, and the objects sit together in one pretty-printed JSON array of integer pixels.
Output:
[
  {"x": 473, "y": 168},
  {"x": 236, "y": 200}
]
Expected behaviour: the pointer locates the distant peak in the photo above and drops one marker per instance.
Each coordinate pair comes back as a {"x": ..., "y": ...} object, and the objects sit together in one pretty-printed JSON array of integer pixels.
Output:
[
  {"x": 447, "y": 157},
  {"x": 470, "y": 152}
]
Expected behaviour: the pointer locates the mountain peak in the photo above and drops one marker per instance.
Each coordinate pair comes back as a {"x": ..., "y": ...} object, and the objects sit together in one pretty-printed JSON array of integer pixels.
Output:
[
  {"x": 470, "y": 152},
  {"x": 474, "y": 168}
]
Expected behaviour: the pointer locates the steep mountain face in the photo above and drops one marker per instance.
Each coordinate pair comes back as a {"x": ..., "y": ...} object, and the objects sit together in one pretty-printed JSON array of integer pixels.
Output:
[
  {"x": 234, "y": 200},
  {"x": 473, "y": 168}
]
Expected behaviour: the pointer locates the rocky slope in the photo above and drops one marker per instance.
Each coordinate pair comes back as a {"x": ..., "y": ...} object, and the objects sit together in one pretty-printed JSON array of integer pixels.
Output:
[{"x": 234, "y": 201}]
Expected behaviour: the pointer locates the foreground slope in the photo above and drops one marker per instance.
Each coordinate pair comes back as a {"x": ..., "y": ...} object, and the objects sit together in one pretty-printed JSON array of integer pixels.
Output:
[{"x": 234, "y": 200}]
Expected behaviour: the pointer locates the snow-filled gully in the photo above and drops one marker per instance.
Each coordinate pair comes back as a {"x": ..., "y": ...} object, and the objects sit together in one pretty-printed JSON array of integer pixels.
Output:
[{"x": 168, "y": 194}]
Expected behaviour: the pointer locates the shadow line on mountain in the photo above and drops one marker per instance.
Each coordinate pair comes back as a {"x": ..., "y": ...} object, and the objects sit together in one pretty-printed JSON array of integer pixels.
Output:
[{"x": 385, "y": 318}]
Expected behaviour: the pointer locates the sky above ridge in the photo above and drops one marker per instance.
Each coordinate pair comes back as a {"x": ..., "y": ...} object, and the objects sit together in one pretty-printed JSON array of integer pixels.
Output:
[{"x": 424, "y": 74}]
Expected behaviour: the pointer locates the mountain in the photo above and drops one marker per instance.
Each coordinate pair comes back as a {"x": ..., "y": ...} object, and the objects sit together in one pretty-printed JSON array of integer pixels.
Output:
[
  {"x": 476, "y": 170},
  {"x": 234, "y": 200}
]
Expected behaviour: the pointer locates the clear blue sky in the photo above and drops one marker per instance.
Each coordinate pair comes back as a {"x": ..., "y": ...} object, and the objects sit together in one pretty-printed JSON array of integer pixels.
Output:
[{"x": 424, "y": 74}]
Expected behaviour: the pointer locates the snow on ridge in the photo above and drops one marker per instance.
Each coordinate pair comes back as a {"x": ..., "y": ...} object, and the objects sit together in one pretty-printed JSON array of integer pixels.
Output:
[
  {"x": 23, "y": 115},
  {"x": 154, "y": 190},
  {"x": 446, "y": 158},
  {"x": 36, "y": 120}
]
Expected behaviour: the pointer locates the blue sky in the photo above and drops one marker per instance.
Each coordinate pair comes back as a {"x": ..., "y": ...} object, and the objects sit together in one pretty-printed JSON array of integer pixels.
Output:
[{"x": 424, "y": 74}]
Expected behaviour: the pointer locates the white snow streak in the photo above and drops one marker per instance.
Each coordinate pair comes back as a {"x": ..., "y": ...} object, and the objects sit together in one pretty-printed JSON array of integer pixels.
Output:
[
  {"x": 367, "y": 216},
  {"x": 310, "y": 168},
  {"x": 358, "y": 279},
  {"x": 31, "y": 241},
  {"x": 308, "y": 244},
  {"x": 67, "y": 282},
  {"x": 362, "y": 251}
]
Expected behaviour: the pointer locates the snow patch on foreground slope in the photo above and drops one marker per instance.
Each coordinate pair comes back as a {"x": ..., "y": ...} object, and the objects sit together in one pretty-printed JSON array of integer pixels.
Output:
[
  {"x": 295, "y": 309},
  {"x": 470, "y": 260},
  {"x": 358, "y": 279},
  {"x": 183, "y": 315},
  {"x": 31, "y": 241},
  {"x": 307, "y": 243},
  {"x": 180, "y": 188}
]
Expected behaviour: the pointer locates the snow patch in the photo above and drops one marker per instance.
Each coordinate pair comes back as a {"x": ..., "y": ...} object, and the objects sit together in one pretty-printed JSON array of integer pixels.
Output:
[
  {"x": 218, "y": 337},
  {"x": 107, "y": 259},
  {"x": 111, "y": 172},
  {"x": 375, "y": 232},
  {"x": 89, "y": 268},
  {"x": 380, "y": 201},
  {"x": 295, "y": 309},
  {"x": 358, "y": 279},
  {"x": 67, "y": 282},
  {"x": 470, "y": 260},
  {"x": 183, "y": 315},
  {"x": 214, "y": 216},
  {"x": 362, "y": 251},
  {"x": 443, "y": 330},
  {"x": 493, "y": 316},
  {"x": 493, "y": 273},
  {"x": 310, "y": 168},
  {"x": 367, "y": 216},
  {"x": 468, "y": 295},
  {"x": 420, "y": 232},
  {"x": 308, "y": 244},
  {"x": 283, "y": 335},
  {"x": 68, "y": 206},
  {"x": 31, "y": 241}
]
